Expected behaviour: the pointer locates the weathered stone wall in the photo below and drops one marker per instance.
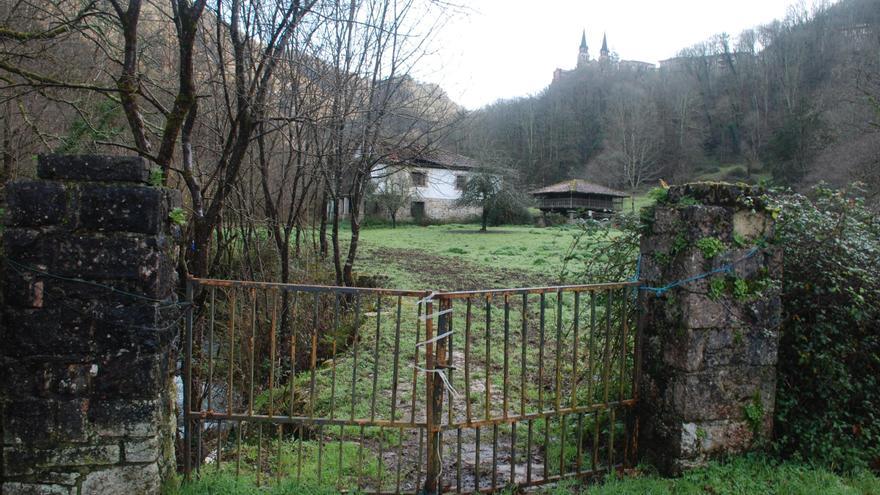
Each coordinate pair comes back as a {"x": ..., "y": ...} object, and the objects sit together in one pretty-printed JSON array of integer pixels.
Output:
[
  {"x": 87, "y": 404},
  {"x": 441, "y": 209},
  {"x": 709, "y": 347}
]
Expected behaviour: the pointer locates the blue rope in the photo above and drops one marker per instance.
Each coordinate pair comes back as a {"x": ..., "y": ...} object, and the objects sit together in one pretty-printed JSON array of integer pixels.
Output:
[
  {"x": 727, "y": 268},
  {"x": 638, "y": 273}
]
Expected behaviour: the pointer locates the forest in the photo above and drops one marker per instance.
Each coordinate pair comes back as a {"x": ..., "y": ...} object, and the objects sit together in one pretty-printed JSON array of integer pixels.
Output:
[{"x": 793, "y": 102}]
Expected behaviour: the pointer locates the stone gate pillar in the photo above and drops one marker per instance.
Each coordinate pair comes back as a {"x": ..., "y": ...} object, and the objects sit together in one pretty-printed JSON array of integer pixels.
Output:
[
  {"x": 88, "y": 329},
  {"x": 709, "y": 344}
]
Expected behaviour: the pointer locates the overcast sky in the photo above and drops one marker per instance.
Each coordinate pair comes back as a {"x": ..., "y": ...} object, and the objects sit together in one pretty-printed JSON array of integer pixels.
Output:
[{"x": 507, "y": 48}]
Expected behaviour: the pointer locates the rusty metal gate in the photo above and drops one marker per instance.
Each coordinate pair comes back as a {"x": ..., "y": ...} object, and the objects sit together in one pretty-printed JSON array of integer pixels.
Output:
[{"x": 391, "y": 391}]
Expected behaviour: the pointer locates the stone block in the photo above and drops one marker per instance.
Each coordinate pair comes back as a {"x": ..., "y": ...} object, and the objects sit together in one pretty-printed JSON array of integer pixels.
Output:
[
  {"x": 22, "y": 461},
  {"x": 706, "y": 359},
  {"x": 721, "y": 393},
  {"x": 27, "y": 247},
  {"x": 16, "y": 488},
  {"x": 39, "y": 377},
  {"x": 41, "y": 422},
  {"x": 94, "y": 168},
  {"x": 32, "y": 203},
  {"x": 127, "y": 262},
  {"x": 123, "y": 208},
  {"x": 689, "y": 262},
  {"x": 105, "y": 257},
  {"x": 51, "y": 330},
  {"x": 141, "y": 329},
  {"x": 701, "y": 311},
  {"x": 707, "y": 438},
  {"x": 700, "y": 349},
  {"x": 119, "y": 417},
  {"x": 706, "y": 221},
  {"x": 126, "y": 375},
  {"x": 142, "y": 450},
  {"x": 666, "y": 220},
  {"x": 133, "y": 480},
  {"x": 91, "y": 455},
  {"x": 751, "y": 225}
]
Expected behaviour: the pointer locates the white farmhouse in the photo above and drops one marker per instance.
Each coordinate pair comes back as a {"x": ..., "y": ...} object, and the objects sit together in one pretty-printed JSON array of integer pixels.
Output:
[{"x": 435, "y": 180}]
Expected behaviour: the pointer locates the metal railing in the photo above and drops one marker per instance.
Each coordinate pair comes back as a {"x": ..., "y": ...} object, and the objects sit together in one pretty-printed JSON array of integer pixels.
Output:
[{"x": 390, "y": 391}]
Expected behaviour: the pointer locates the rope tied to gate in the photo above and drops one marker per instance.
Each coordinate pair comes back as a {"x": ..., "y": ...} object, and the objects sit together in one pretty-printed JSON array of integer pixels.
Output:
[
  {"x": 438, "y": 313},
  {"x": 443, "y": 378},
  {"x": 427, "y": 298},
  {"x": 726, "y": 268},
  {"x": 434, "y": 339}
]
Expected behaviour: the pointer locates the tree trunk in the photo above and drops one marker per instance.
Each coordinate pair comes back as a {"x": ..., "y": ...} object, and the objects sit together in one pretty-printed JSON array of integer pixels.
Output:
[
  {"x": 355, "y": 222},
  {"x": 334, "y": 237},
  {"x": 322, "y": 232}
]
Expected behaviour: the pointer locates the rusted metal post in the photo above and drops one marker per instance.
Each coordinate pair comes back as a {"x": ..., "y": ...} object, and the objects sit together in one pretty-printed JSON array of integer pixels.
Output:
[{"x": 434, "y": 359}]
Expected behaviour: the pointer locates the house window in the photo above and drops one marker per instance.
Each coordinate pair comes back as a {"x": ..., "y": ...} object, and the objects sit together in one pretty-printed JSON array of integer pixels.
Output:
[
  {"x": 460, "y": 182},
  {"x": 419, "y": 179}
]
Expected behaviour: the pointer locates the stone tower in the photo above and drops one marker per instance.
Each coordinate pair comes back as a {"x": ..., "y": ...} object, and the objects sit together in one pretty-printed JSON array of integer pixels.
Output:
[
  {"x": 583, "y": 53},
  {"x": 603, "y": 52}
]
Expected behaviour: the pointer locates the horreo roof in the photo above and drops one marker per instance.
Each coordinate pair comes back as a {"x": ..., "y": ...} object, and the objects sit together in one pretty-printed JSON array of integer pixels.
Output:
[{"x": 579, "y": 186}]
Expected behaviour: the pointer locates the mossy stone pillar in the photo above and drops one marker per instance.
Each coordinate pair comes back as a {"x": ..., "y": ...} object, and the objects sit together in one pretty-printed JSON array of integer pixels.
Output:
[
  {"x": 710, "y": 342},
  {"x": 89, "y": 333}
]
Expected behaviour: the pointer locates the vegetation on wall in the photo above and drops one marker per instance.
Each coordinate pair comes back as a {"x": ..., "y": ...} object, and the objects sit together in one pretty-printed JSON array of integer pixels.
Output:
[{"x": 829, "y": 358}]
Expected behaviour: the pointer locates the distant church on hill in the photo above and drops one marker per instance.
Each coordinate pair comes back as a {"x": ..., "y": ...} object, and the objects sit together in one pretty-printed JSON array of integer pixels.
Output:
[{"x": 606, "y": 60}]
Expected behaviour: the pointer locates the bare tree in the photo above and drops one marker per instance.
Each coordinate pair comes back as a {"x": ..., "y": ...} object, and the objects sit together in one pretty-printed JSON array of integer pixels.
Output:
[
  {"x": 392, "y": 194},
  {"x": 632, "y": 145}
]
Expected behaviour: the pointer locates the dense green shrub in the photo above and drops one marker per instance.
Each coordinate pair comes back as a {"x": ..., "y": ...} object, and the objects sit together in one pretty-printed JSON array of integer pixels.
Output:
[
  {"x": 736, "y": 173},
  {"x": 513, "y": 214},
  {"x": 551, "y": 219},
  {"x": 828, "y": 398}
]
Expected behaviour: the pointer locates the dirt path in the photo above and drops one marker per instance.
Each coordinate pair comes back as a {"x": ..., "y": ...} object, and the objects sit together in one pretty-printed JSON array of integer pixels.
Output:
[{"x": 450, "y": 272}]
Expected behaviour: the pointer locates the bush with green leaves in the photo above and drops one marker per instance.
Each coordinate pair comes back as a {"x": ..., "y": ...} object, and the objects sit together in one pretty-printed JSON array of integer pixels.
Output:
[
  {"x": 499, "y": 201},
  {"x": 828, "y": 396}
]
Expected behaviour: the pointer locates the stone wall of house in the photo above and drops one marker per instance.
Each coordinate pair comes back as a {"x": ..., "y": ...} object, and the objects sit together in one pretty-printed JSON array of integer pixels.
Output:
[
  {"x": 709, "y": 345},
  {"x": 89, "y": 329},
  {"x": 446, "y": 209}
]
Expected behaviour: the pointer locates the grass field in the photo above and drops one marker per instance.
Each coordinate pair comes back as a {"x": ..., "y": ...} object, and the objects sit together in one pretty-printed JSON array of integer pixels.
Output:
[{"x": 454, "y": 257}]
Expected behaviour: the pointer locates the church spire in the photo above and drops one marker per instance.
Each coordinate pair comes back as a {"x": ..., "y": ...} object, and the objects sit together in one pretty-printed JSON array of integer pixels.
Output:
[
  {"x": 603, "y": 53},
  {"x": 583, "y": 53}
]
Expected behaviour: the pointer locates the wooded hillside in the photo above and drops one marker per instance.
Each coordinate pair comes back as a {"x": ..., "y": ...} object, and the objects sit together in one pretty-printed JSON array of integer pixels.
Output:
[{"x": 795, "y": 100}]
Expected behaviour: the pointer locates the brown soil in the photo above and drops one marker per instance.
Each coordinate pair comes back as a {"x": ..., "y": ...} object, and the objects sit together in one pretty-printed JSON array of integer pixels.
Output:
[{"x": 449, "y": 273}]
